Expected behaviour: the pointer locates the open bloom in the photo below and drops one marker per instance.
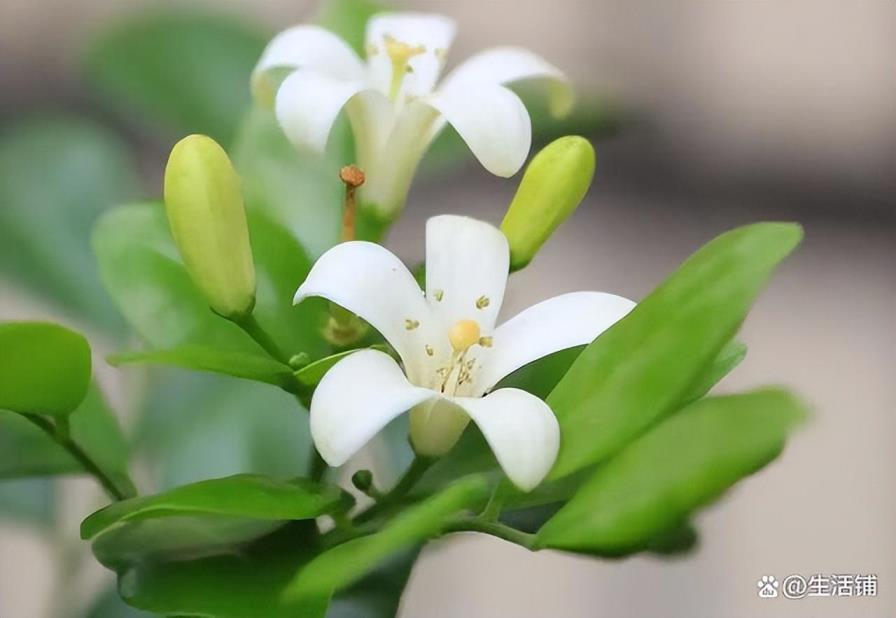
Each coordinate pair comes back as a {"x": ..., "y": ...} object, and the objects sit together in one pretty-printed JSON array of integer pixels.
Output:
[
  {"x": 393, "y": 102},
  {"x": 452, "y": 354}
]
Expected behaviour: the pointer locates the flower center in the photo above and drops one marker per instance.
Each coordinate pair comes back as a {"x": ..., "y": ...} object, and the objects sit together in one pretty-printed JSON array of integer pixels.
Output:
[
  {"x": 400, "y": 54},
  {"x": 462, "y": 336}
]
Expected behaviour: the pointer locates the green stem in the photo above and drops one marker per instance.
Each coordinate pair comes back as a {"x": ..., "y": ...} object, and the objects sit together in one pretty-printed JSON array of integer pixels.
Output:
[
  {"x": 413, "y": 474},
  {"x": 495, "y": 529},
  {"x": 60, "y": 436},
  {"x": 252, "y": 328}
]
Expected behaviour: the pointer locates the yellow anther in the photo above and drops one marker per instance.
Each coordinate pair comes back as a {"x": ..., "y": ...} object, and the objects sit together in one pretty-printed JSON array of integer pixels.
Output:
[
  {"x": 485, "y": 342},
  {"x": 439, "y": 295},
  {"x": 463, "y": 334},
  {"x": 411, "y": 324},
  {"x": 400, "y": 54},
  {"x": 429, "y": 350},
  {"x": 482, "y": 302}
]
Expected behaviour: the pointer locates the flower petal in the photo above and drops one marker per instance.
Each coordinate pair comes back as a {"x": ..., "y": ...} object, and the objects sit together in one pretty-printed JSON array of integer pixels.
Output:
[
  {"x": 467, "y": 262},
  {"x": 506, "y": 65},
  {"x": 493, "y": 122},
  {"x": 520, "y": 429},
  {"x": 309, "y": 47},
  {"x": 434, "y": 33},
  {"x": 355, "y": 400},
  {"x": 370, "y": 281},
  {"x": 308, "y": 104},
  {"x": 552, "y": 325}
]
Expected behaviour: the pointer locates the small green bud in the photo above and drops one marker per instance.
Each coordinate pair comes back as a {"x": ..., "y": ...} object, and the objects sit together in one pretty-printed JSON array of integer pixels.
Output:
[
  {"x": 362, "y": 480},
  {"x": 208, "y": 222},
  {"x": 554, "y": 184}
]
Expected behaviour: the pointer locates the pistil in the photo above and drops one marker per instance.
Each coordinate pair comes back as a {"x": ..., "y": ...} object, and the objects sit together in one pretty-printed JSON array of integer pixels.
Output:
[{"x": 400, "y": 54}]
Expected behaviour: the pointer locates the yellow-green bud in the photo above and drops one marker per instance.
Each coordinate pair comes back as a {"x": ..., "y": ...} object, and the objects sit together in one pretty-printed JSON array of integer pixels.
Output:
[
  {"x": 554, "y": 184},
  {"x": 208, "y": 222}
]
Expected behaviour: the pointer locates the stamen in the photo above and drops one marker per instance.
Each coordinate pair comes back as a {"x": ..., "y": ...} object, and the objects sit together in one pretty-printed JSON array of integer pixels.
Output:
[
  {"x": 352, "y": 177},
  {"x": 485, "y": 342},
  {"x": 411, "y": 324},
  {"x": 439, "y": 295},
  {"x": 463, "y": 334},
  {"x": 482, "y": 302},
  {"x": 429, "y": 350},
  {"x": 400, "y": 54}
]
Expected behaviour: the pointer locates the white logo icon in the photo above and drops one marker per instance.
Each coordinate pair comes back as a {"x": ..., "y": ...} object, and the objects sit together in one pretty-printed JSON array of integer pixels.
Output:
[{"x": 768, "y": 587}]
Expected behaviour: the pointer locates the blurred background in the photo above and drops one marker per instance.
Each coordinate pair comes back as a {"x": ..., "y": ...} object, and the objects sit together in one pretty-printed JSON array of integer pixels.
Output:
[{"x": 706, "y": 114}]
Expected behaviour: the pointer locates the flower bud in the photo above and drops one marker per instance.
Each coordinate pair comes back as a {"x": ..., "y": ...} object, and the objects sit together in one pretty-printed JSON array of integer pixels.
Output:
[
  {"x": 554, "y": 184},
  {"x": 208, "y": 222}
]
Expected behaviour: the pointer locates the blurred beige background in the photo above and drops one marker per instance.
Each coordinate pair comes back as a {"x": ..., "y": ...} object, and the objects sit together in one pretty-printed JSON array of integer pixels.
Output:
[{"x": 746, "y": 110}]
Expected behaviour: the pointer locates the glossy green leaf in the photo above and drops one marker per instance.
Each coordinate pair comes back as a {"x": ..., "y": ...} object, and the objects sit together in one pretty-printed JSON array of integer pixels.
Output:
[
  {"x": 642, "y": 368},
  {"x": 188, "y": 70},
  {"x": 196, "y": 426},
  {"x": 26, "y": 450},
  {"x": 202, "y": 358},
  {"x": 143, "y": 272},
  {"x": 688, "y": 460},
  {"x": 348, "y": 18},
  {"x": 96, "y": 430},
  {"x": 726, "y": 360},
  {"x": 246, "y": 496},
  {"x": 378, "y": 594},
  {"x": 311, "y": 374},
  {"x": 57, "y": 174},
  {"x": 245, "y": 582},
  {"x": 541, "y": 376},
  {"x": 44, "y": 368},
  {"x": 298, "y": 189},
  {"x": 344, "y": 564}
]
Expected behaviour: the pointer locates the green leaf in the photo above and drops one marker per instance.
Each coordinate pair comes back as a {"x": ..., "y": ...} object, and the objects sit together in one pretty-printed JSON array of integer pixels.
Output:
[
  {"x": 202, "y": 358},
  {"x": 346, "y": 563},
  {"x": 642, "y": 368},
  {"x": 26, "y": 450},
  {"x": 96, "y": 430},
  {"x": 188, "y": 70},
  {"x": 727, "y": 359},
  {"x": 57, "y": 174},
  {"x": 311, "y": 374},
  {"x": 378, "y": 594},
  {"x": 243, "y": 583},
  {"x": 348, "y": 18},
  {"x": 247, "y": 496},
  {"x": 541, "y": 376},
  {"x": 143, "y": 272},
  {"x": 655, "y": 483},
  {"x": 299, "y": 190},
  {"x": 44, "y": 368}
]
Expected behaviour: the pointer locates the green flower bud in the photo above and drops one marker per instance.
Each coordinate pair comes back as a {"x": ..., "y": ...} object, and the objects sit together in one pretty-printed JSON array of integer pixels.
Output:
[
  {"x": 208, "y": 222},
  {"x": 554, "y": 184}
]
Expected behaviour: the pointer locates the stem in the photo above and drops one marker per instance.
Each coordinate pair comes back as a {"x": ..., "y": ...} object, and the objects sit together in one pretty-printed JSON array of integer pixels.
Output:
[
  {"x": 413, "y": 474},
  {"x": 495, "y": 529},
  {"x": 252, "y": 328},
  {"x": 80, "y": 456}
]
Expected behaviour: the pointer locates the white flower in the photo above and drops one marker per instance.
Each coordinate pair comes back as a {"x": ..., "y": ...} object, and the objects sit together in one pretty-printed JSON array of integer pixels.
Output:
[
  {"x": 451, "y": 351},
  {"x": 392, "y": 100}
]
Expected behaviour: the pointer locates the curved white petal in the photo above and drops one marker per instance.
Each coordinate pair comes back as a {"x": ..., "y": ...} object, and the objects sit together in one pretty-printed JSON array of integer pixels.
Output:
[
  {"x": 308, "y": 47},
  {"x": 434, "y": 33},
  {"x": 308, "y": 104},
  {"x": 370, "y": 281},
  {"x": 506, "y": 65},
  {"x": 467, "y": 262},
  {"x": 552, "y": 325},
  {"x": 520, "y": 429},
  {"x": 492, "y": 121},
  {"x": 355, "y": 400}
]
